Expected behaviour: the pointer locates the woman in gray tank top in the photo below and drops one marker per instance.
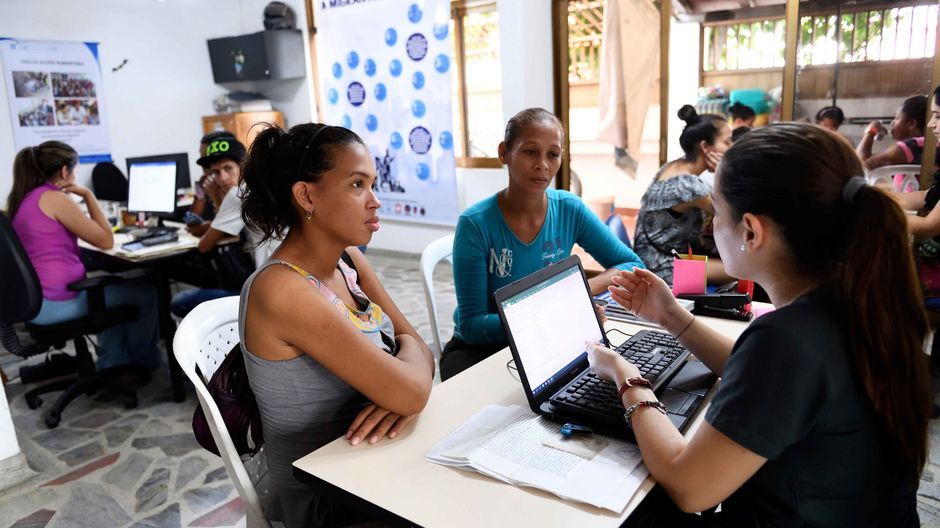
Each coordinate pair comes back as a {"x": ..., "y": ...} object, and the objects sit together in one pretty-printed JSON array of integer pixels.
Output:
[{"x": 327, "y": 351}]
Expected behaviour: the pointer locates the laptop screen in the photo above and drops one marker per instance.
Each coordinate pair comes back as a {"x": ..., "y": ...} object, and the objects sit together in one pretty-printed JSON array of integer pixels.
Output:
[{"x": 550, "y": 323}]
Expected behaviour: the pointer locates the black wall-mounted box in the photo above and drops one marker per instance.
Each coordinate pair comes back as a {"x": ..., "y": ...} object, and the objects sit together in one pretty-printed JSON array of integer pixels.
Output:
[{"x": 266, "y": 55}]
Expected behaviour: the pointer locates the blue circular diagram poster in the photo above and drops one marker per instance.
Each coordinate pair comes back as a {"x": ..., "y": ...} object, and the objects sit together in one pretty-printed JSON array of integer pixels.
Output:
[{"x": 385, "y": 72}]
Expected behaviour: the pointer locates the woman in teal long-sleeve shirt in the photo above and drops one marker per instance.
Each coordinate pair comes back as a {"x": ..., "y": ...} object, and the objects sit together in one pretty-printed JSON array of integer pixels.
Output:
[{"x": 517, "y": 231}]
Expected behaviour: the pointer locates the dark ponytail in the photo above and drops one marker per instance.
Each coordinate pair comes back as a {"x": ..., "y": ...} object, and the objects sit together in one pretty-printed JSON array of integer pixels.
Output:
[
  {"x": 698, "y": 128},
  {"x": 887, "y": 322},
  {"x": 276, "y": 161},
  {"x": 34, "y": 166},
  {"x": 854, "y": 238}
]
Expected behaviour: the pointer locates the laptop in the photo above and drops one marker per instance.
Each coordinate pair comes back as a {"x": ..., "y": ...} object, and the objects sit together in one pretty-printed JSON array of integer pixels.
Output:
[{"x": 549, "y": 315}]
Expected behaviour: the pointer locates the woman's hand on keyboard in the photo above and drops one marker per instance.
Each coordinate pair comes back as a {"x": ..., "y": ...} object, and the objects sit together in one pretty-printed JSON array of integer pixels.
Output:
[
  {"x": 374, "y": 423},
  {"x": 609, "y": 365}
]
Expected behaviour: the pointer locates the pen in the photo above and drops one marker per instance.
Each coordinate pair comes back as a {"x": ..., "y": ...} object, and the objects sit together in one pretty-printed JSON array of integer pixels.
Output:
[{"x": 570, "y": 429}]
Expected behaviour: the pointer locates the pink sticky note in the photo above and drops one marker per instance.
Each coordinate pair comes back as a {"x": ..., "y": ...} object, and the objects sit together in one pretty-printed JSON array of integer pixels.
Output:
[
  {"x": 688, "y": 275},
  {"x": 762, "y": 310}
]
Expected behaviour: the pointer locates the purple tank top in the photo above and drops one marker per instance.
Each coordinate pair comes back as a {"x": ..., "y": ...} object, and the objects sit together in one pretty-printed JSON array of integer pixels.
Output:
[{"x": 51, "y": 247}]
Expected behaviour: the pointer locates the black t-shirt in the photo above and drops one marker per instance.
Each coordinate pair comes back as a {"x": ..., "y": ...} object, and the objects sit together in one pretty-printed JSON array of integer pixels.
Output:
[
  {"x": 790, "y": 395},
  {"x": 933, "y": 193}
]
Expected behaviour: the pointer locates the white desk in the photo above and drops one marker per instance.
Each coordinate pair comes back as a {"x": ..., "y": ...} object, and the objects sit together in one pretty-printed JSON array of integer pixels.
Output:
[
  {"x": 185, "y": 243},
  {"x": 393, "y": 475}
]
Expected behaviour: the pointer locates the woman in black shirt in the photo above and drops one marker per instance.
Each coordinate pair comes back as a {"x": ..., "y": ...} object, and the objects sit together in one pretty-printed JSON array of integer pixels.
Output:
[{"x": 821, "y": 417}]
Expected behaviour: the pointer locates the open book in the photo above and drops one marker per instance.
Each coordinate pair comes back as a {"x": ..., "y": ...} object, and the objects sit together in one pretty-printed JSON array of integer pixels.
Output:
[{"x": 516, "y": 446}]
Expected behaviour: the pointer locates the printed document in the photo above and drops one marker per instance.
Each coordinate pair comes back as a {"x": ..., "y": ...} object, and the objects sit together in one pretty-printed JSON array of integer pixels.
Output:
[{"x": 508, "y": 444}]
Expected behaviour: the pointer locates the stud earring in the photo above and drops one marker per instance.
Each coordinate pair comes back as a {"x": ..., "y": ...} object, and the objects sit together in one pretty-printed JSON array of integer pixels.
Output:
[
  {"x": 308, "y": 214},
  {"x": 743, "y": 248}
]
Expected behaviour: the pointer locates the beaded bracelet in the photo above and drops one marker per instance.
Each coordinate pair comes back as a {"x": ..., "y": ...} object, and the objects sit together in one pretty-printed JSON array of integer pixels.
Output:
[{"x": 628, "y": 413}]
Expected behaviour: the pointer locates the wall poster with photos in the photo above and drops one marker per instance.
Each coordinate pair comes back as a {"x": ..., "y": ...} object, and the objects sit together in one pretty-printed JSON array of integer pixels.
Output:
[{"x": 55, "y": 93}]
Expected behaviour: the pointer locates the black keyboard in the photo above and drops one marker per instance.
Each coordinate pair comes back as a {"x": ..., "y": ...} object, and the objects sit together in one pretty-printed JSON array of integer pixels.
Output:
[
  {"x": 159, "y": 237},
  {"x": 658, "y": 356},
  {"x": 138, "y": 233},
  {"x": 165, "y": 238}
]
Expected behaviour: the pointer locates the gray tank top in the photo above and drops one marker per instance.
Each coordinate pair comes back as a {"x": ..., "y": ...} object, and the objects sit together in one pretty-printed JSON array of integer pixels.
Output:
[{"x": 303, "y": 405}]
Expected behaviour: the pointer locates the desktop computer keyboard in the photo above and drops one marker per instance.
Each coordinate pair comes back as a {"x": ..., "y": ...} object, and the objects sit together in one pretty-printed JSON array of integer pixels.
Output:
[
  {"x": 159, "y": 237},
  {"x": 138, "y": 233},
  {"x": 657, "y": 355}
]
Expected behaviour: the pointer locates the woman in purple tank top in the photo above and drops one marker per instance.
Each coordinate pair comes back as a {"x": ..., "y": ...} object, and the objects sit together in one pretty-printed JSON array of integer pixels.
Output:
[{"x": 49, "y": 223}]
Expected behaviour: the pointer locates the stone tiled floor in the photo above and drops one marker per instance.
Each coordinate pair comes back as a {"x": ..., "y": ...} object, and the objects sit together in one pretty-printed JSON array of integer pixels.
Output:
[{"x": 106, "y": 466}]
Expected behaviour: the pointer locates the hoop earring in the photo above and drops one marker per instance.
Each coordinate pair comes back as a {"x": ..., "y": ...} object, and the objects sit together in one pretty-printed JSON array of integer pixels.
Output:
[{"x": 308, "y": 214}]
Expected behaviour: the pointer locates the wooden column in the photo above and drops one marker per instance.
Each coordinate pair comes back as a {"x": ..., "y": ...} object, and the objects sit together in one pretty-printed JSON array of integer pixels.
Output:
[
  {"x": 789, "y": 69},
  {"x": 665, "y": 14},
  {"x": 930, "y": 140},
  {"x": 562, "y": 89}
]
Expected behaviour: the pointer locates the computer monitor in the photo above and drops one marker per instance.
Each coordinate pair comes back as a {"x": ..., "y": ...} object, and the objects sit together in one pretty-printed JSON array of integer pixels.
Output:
[
  {"x": 151, "y": 186},
  {"x": 182, "y": 166}
]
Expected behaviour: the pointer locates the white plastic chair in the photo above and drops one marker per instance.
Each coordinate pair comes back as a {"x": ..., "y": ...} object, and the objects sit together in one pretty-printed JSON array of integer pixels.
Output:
[
  {"x": 203, "y": 339},
  {"x": 886, "y": 174},
  {"x": 436, "y": 251}
]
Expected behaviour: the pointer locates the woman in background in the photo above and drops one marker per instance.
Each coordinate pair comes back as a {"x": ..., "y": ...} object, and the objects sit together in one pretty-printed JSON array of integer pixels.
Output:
[
  {"x": 907, "y": 131},
  {"x": 830, "y": 118},
  {"x": 519, "y": 230},
  {"x": 742, "y": 120},
  {"x": 674, "y": 208},
  {"x": 49, "y": 223}
]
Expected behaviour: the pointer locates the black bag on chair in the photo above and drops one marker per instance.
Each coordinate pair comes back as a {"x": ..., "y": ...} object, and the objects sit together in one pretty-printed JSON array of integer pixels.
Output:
[{"x": 232, "y": 393}]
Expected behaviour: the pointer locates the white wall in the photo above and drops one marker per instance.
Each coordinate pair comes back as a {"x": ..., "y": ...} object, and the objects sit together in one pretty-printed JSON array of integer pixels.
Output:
[
  {"x": 154, "y": 103},
  {"x": 8, "y": 444},
  {"x": 683, "y": 78},
  {"x": 525, "y": 49}
]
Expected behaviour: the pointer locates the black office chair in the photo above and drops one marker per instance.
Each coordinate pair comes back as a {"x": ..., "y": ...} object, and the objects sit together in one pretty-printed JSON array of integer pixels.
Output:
[
  {"x": 21, "y": 300},
  {"x": 108, "y": 182}
]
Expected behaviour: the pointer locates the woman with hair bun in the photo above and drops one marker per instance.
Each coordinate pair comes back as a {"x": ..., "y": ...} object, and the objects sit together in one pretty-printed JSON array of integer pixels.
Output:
[{"x": 674, "y": 208}]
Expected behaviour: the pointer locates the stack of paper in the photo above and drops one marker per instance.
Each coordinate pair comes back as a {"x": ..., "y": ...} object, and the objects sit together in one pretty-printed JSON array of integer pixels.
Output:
[{"x": 518, "y": 447}]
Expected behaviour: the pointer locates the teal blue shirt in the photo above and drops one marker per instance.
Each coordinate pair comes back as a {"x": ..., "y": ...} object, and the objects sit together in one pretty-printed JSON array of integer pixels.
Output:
[{"x": 488, "y": 256}]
